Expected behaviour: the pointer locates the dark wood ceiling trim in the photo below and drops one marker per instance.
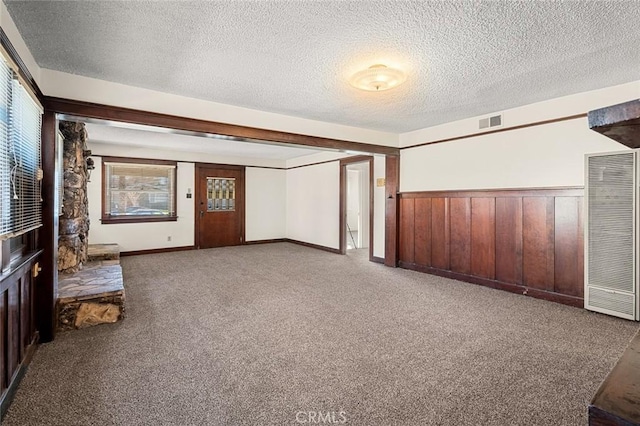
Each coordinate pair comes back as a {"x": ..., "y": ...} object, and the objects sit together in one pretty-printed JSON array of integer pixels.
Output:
[
  {"x": 619, "y": 122},
  {"x": 355, "y": 159},
  {"x": 126, "y": 115},
  {"x": 505, "y": 129},
  {"x": 313, "y": 164}
]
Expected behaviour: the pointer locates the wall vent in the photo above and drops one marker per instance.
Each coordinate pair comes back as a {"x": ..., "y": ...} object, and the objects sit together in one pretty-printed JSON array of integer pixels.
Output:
[
  {"x": 610, "y": 258},
  {"x": 494, "y": 121}
]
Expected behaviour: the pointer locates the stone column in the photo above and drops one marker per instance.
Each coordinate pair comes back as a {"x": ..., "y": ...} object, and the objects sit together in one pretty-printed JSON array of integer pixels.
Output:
[{"x": 74, "y": 222}]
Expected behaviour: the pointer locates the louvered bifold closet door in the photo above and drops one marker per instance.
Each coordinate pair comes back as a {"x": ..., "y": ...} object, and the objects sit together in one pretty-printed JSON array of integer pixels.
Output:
[{"x": 610, "y": 274}]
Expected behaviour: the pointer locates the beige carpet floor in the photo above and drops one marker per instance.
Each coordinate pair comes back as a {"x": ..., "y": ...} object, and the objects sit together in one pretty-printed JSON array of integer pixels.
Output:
[{"x": 273, "y": 334}]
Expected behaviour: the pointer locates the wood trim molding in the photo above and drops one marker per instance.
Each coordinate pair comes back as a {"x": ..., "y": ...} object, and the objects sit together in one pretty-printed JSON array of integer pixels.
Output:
[
  {"x": 377, "y": 259},
  {"x": 372, "y": 189},
  {"x": 133, "y": 116},
  {"x": 313, "y": 164},
  {"x": 356, "y": 159},
  {"x": 221, "y": 166},
  {"x": 274, "y": 240},
  {"x": 107, "y": 219},
  {"x": 564, "y": 191},
  {"x": 315, "y": 246},
  {"x": 112, "y": 159},
  {"x": 342, "y": 209},
  {"x": 505, "y": 129},
  {"x": 577, "y": 302},
  {"x": 156, "y": 251},
  {"x": 392, "y": 178},
  {"x": 262, "y": 167},
  {"x": 45, "y": 296}
]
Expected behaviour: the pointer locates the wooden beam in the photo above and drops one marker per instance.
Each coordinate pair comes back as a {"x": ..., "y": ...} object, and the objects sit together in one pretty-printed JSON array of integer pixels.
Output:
[
  {"x": 133, "y": 116},
  {"x": 619, "y": 122}
]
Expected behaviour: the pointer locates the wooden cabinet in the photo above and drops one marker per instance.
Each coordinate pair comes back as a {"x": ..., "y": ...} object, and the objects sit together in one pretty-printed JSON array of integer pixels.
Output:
[{"x": 18, "y": 333}]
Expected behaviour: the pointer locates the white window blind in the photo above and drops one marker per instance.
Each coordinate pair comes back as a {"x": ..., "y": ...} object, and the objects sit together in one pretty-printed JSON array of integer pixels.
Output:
[
  {"x": 6, "y": 159},
  {"x": 20, "y": 173},
  {"x": 135, "y": 190}
]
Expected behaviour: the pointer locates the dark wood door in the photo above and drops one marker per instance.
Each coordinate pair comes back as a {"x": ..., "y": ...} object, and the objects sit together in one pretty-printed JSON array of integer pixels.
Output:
[{"x": 219, "y": 205}]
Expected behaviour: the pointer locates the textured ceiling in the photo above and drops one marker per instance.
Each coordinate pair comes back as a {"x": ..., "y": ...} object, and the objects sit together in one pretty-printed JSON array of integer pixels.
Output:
[
  {"x": 463, "y": 58},
  {"x": 151, "y": 138}
]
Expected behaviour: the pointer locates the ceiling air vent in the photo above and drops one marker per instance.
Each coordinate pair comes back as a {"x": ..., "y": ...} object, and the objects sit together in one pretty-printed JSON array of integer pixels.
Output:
[{"x": 495, "y": 121}]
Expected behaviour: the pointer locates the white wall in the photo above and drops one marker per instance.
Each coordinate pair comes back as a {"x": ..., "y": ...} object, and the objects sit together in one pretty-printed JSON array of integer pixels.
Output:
[
  {"x": 547, "y": 155},
  {"x": 300, "y": 203},
  {"x": 541, "y": 156},
  {"x": 353, "y": 198},
  {"x": 580, "y": 103},
  {"x": 313, "y": 204},
  {"x": 266, "y": 204},
  {"x": 144, "y": 236},
  {"x": 379, "y": 162}
]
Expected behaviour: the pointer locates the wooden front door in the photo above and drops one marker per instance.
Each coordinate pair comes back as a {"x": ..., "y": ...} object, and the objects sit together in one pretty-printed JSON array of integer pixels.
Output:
[{"x": 219, "y": 205}]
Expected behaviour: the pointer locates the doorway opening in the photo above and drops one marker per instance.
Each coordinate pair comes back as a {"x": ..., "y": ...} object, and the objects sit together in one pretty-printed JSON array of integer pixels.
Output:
[{"x": 356, "y": 206}]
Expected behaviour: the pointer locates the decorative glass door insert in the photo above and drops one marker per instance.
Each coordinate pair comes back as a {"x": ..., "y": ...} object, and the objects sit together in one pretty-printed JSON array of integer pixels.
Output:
[{"x": 221, "y": 194}]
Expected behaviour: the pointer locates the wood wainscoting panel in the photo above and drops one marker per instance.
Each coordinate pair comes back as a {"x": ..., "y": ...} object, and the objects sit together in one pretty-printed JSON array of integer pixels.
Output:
[
  {"x": 13, "y": 328},
  {"x": 4, "y": 381},
  {"x": 483, "y": 237},
  {"x": 525, "y": 241},
  {"x": 407, "y": 229},
  {"x": 422, "y": 226},
  {"x": 460, "y": 234},
  {"x": 538, "y": 242},
  {"x": 569, "y": 268},
  {"x": 509, "y": 239},
  {"x": 440, "y": 233}
]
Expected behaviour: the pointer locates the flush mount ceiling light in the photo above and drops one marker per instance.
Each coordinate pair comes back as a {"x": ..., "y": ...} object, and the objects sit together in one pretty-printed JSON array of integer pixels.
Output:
[{"x": 377, "y": 78}]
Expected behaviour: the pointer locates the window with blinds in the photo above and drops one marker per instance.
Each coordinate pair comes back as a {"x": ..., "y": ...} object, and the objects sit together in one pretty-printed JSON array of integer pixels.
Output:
[
  {"x": 20, "y": 172},
  {"x": 138, "y": 192}
]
